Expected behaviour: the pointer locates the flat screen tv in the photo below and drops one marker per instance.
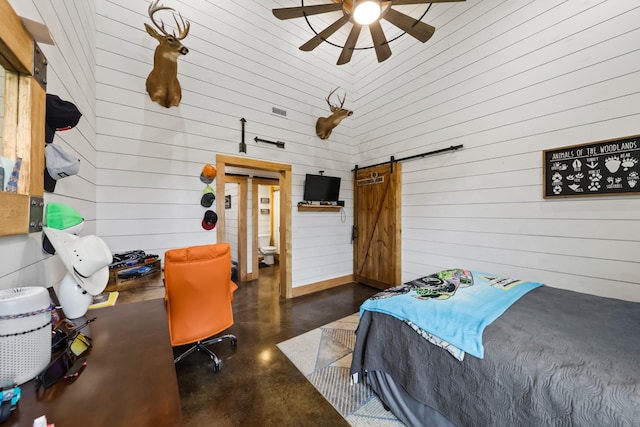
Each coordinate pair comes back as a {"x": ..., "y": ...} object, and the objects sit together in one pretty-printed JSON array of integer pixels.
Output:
[{"x": 321, "y": 188}]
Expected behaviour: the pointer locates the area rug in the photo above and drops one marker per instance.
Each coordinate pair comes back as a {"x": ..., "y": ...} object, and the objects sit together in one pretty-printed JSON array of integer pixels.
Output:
[{"x": 323, "y": 355}]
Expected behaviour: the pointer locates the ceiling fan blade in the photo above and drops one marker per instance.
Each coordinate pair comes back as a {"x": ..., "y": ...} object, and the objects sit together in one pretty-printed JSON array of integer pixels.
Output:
[
  {"x": 383, "y": 51},
  {"x": 300, "y": 11},
  {"x": 324, "y": 34},
  {"x": 347, "y": 50},
  {"x": 401, "y": 2},
  {"x": 411, "y": 26}
]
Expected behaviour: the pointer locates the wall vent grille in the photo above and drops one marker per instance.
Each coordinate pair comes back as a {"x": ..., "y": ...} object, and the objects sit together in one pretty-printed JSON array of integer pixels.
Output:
[{"x": 279, "y": 111}]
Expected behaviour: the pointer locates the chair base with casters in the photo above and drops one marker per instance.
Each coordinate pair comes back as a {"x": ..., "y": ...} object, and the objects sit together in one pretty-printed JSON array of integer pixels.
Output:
[{"x": 202, "y": 346}]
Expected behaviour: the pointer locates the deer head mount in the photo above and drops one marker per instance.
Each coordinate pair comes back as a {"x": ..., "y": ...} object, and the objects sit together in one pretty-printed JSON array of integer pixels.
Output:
[
  {"x": 324, "y": 125},
  {"x": 162, "y": 83}
]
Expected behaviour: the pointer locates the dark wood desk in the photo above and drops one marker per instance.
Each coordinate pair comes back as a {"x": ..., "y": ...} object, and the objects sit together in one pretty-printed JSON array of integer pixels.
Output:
[{"x": 129, "y": 380}]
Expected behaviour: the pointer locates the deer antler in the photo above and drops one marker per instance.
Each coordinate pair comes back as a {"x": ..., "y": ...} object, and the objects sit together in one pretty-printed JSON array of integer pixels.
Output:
[
  {"x": 153, "y": 8},
  {"x": 182, "y": 30},
  {"x": 331, "y": 106},
  {"x": 328, "y": 97}
]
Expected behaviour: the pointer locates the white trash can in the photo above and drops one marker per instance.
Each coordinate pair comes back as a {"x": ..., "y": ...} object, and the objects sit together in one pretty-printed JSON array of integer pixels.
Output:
[{"x": 25, "y": 333}]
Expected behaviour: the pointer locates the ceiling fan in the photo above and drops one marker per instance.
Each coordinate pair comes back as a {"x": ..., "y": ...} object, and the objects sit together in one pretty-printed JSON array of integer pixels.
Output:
[{"x": 353, "y": 11}]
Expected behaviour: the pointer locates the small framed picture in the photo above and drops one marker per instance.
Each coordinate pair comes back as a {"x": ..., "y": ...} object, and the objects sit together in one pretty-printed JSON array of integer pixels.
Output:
[
  {"x": 264, "y": 200},
  {"x": 264, "y": 211},
  {"x": 227, "y": 201}
]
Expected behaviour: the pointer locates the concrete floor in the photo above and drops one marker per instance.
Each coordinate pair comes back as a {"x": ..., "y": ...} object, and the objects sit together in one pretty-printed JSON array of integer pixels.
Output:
[{"x": 257, "y": 385}]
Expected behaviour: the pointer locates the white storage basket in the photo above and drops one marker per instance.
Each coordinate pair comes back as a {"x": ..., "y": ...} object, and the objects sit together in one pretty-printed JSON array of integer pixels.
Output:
[{"x": 25, "y": 333}]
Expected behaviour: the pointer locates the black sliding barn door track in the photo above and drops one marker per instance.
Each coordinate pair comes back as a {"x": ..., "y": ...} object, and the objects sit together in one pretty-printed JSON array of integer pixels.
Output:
[{"x": 393, "y": 160}]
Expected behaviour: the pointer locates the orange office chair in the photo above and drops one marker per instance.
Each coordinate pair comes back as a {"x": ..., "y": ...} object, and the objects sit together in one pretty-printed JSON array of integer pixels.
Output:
[{"x": 198, "y": 295}]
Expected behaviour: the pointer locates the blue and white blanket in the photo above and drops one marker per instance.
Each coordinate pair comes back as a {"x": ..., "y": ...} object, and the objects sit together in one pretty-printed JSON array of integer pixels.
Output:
[{"x": 453, "y": 305}]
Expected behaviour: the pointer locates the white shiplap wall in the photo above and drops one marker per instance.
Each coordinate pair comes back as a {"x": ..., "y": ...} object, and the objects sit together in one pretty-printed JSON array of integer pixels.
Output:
[
  {"x": 241, "y": 64},
  {"x": 70, "y": 75},
  {"x": 508, "y": 79}
]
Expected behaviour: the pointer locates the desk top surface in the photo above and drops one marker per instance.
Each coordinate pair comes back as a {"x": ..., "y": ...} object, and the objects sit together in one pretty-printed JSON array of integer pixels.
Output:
[{"x": 129, "y": 379}]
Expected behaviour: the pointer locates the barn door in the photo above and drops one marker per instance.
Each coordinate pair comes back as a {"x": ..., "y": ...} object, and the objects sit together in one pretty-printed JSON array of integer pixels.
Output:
[{"x": 377, "y": 220}]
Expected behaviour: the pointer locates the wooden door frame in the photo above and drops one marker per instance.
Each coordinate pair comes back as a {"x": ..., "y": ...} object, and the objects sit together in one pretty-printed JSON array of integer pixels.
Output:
[{"x": 284, "y": 181}]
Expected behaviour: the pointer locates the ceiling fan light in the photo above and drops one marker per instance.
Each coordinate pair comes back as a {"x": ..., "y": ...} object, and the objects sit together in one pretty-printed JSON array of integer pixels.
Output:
[{"x": 366, "y": 12}]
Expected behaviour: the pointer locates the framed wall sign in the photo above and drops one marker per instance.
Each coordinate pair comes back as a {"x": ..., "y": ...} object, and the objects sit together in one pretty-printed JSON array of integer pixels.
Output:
[{"x": 604, "y": 168}]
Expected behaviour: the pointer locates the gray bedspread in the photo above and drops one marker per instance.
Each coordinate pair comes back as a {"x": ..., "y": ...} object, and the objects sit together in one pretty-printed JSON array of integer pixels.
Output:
[{"x": 555, "y": 358}]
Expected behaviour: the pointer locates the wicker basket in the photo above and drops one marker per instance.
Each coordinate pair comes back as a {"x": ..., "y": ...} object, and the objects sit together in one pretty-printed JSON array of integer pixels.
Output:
[{"x": 25, "y": 333}]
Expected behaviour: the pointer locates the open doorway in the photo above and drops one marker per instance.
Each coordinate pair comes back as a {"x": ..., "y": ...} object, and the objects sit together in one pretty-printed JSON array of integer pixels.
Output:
[
  {"x": 267, "y": 222},
  {"x": 283, "y": 184},
  {"x": 252, "y": 221}
]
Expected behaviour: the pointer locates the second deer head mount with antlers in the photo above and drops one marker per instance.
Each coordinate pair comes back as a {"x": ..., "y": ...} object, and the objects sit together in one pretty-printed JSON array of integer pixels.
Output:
[
  {"x": 162, "y": 83},
  {"x": 324, "y": 125}
]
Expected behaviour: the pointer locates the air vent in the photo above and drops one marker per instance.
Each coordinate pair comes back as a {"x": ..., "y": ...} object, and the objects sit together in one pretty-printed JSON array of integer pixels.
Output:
[{"x": 279, "y": 111}]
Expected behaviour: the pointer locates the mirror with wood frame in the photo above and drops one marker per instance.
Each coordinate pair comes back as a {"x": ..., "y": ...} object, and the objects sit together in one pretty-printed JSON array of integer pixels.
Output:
[{"x": 23, "y": 118}]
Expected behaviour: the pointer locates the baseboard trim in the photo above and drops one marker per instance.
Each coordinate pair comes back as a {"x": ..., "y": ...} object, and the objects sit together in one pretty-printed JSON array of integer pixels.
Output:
[{"x": 322, "y": 285}]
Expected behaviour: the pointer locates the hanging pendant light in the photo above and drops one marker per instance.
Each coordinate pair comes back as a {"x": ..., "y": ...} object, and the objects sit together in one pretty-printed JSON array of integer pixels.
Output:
[{"x": 366, "y": 12}]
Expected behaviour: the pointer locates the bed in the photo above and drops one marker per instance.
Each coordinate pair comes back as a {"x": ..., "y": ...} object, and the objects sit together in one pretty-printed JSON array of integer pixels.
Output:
[{"x": 553, "y": 357}]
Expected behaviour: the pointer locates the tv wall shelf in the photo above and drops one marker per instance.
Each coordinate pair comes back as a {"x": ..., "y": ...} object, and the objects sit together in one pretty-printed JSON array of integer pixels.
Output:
[{"x": 318, "y": 208}]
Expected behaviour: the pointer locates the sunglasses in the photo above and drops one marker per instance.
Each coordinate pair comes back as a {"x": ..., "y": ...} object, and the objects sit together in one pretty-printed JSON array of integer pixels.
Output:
[
  {"x": 68, "y": 364},
  {"x": 63, "y": 333},
  {"x": 80, "y": 344},
  {"x": 64, "y": 366}
]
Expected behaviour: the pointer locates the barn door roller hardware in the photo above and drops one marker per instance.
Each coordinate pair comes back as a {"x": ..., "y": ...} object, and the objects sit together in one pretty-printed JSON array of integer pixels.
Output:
[
  {"x": 278, "y": 144},
  {"x": 392, "y": 160}
]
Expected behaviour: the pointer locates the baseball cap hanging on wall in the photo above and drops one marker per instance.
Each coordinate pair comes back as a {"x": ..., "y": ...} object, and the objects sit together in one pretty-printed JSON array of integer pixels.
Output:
[
  {"x": 59, "y": 164},
  {"x": 208, "y": 174},
  {"x": 60, "y": 115},
  {"x": 208, "y": 197},
  {"x": 60, "y": 217},
  {"x": 210, "y": 220}
]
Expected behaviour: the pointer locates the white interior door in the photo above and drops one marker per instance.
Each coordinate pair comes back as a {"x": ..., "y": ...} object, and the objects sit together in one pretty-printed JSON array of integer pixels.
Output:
[
  {"x": 276, "y": 219},
  {"x": 231, "y": 219}
]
